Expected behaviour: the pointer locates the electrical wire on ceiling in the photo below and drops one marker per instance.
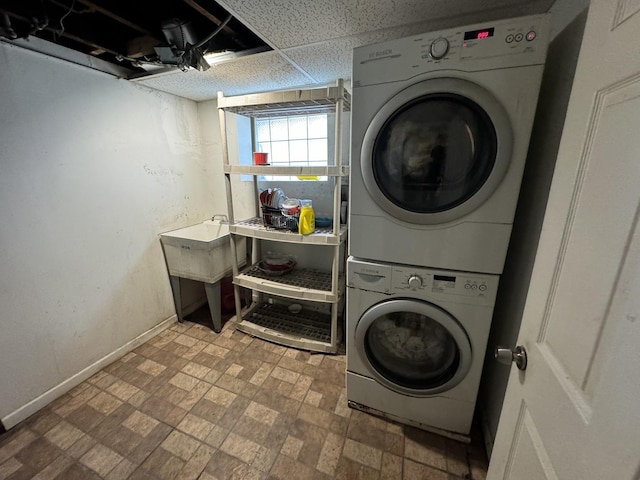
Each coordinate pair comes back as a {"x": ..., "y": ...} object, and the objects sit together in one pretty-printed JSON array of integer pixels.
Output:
[
  {"x": 215, "y": 32},
  {"x": 195, "y": 56},
  {"x": 58, "y": 33}
]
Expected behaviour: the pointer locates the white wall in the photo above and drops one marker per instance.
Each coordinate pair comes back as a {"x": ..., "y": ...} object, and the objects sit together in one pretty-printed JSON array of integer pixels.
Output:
[
  {"x": 244, "y": 203},
  {"x": 92, "y": 169},
  {"x": 545, "y": 139}
]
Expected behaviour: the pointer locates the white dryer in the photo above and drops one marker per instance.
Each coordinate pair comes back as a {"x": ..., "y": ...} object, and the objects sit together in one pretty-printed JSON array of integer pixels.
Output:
[
  {"x": 416, "y": 340},
  {"x": 440, "y": 131}
]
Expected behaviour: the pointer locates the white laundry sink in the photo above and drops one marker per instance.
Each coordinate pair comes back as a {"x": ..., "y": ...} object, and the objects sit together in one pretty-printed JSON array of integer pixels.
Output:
[{"x": 201, "y": 252}]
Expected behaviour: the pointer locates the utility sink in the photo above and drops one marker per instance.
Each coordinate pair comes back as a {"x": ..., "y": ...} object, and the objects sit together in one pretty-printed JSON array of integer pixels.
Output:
[{"x": 201, "y": 252}]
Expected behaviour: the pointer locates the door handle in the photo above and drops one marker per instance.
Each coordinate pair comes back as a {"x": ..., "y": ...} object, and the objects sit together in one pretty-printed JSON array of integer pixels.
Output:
[{"x": 518, "y": 356}]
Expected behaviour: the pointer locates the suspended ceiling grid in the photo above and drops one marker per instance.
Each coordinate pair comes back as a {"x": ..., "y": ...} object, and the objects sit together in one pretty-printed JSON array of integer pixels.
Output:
[
  {"x": 301, "y": 42},
  {"x": 313, "y": 39}
]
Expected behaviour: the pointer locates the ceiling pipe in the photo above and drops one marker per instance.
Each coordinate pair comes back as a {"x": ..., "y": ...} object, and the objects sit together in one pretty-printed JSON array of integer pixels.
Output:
[{"x": 6, "y": 30}]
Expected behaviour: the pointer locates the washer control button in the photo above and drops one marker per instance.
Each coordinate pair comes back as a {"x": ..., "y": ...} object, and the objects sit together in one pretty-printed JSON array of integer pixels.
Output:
[
  {"x": 531, "y": 36},
  {"x": 439, "y": 48},
  {"x": 467, "y": 286},
  {"x": 482, "y": 287},
  {"x": 414, "y": 281},
  {"x": 509, "y": 38},
  {"x": 474, "y": 287},
  {"x": 519, "y": 37}
]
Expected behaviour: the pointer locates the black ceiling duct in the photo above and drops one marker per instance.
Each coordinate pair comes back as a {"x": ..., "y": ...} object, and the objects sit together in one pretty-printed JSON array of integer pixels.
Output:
[{"x": 184, "y": 49}]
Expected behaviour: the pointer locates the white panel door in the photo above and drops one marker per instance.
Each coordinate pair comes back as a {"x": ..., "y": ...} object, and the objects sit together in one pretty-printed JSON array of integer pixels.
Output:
[{"x": 574, "y": 413}]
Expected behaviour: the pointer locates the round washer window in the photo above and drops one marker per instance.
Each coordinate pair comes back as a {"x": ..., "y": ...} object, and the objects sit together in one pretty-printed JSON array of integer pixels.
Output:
[
  {"x": 412, "y": 346},
  {"x": 412, "y": 350},
  {"x": 434, "y": 153}
]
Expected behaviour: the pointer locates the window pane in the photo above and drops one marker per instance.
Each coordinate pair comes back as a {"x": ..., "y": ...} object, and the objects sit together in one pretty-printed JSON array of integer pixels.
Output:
[
  {"x": 317, "y": 126},
  {"x": 298, "y": 151},
  {"x": 297, "y": 127},
  {"x": 279, "y": 129},
  {"x": 264, "y": 147},
  {"x": 279, "y": 153},
  {"x": 298, "y": 141},
  {"x": 262, "y": 130},
  {"x": 318, "y": 149}
]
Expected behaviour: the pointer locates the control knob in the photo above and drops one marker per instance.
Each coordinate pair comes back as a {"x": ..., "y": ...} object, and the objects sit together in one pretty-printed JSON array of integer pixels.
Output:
[
  {"x": 439, "y": 48},
  {"x": 415, "y": 281}
]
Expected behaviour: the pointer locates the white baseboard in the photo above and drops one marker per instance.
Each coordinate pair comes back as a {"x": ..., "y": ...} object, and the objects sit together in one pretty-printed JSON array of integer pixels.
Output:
[{"x": 50, "y": 395}]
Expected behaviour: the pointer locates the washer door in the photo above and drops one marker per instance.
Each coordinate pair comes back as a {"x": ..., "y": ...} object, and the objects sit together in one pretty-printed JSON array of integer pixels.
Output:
[
  {"x": 413, "y": 347},
  {"x": 436, "y": 151}
]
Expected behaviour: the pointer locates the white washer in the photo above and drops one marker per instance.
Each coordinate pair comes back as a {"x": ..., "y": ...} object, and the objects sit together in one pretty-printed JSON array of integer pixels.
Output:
[
  {"x": 440, "y": 131},
  {"x": 416, "y": 340}
]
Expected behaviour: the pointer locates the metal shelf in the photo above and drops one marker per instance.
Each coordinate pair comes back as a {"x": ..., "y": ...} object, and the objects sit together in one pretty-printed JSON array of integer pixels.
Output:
[
  {"x": 290, "y": 102},
  {"x": 308, "y": 330},
  {"x": 254, "y": 227},
  {"x": 300, "y": 283},
  {"x": 290, "y": 171}
]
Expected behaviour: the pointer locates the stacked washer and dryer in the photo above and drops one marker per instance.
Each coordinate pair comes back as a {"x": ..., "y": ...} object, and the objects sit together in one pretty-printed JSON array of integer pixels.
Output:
[{"x": 440, "y": 131}]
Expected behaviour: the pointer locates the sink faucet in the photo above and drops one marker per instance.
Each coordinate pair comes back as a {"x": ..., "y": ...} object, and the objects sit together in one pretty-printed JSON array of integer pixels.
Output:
[{"x": 223, "y": 218}]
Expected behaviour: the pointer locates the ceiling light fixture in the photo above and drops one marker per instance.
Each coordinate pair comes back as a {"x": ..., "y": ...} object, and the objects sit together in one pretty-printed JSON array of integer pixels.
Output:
[{"x": 214, "y": 58}]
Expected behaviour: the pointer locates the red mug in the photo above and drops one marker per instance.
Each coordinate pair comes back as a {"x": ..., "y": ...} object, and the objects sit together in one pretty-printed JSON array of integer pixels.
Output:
[{"x": 259, "y": 158}]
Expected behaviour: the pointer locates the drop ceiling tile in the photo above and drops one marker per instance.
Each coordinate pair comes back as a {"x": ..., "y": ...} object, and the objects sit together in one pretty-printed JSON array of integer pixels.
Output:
[
  {"x": 286, "y": 23},
  {"x": 256, "y": 73},
  {"x": 330, "y": 60},
  {"x": 314, "y": 42},
  {"x": 326, "y": 61}
]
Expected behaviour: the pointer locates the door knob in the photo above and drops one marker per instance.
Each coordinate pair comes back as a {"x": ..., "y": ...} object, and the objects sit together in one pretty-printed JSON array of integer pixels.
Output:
[{"x": 518, "y": 355}]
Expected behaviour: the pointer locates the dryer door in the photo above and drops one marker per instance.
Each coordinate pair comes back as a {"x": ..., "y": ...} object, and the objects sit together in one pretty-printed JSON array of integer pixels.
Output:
[
  {"x": 436, "y": 151},
  {"x": 413, "y": 347}
]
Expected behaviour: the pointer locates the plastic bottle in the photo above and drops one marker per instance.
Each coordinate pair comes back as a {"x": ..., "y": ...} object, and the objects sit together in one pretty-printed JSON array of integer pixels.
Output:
[{"x": 307, "y": 220}]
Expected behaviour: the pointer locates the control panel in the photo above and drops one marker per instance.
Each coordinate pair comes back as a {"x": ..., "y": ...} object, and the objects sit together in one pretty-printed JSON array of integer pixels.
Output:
[
  {"x": 500, "y": 44},
  {"x": 508, "y": 39},
  {"x": 490, "y": 41},
  {"x": 424, "y": 283}
]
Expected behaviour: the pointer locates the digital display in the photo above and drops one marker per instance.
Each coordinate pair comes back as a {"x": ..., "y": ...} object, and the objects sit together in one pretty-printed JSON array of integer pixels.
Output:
[
  {"x": 444, "y": 278},
  {"x": 479, "y": 34},
  {"x": 442, "y": 283}
]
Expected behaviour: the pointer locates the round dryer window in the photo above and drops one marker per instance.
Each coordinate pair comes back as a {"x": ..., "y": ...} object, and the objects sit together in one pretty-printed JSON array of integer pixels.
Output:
[
  {"x": 436, "y": 151},
  {"x": 413, "y": 347}
]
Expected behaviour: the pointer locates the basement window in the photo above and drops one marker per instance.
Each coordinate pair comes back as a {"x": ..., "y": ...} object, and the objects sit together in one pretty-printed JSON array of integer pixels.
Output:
[{"x": 295, "y": 141}]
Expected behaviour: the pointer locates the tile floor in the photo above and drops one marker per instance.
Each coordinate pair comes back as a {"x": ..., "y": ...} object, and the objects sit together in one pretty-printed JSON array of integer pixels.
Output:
[{"x": 190, "y": 404}]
